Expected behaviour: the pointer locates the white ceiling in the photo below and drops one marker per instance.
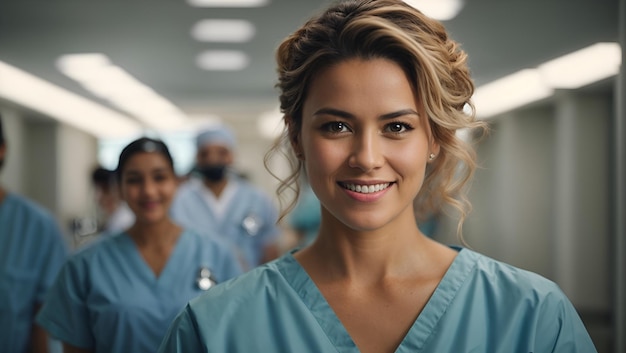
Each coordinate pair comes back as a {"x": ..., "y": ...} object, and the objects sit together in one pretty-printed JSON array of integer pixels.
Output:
[{"x": 150, "y": 40}]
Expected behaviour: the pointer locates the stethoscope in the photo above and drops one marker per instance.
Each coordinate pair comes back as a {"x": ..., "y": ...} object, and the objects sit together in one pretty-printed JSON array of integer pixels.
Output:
[
  {"x": 252, "y": 224},
  {"x": 205, "y": 279}
]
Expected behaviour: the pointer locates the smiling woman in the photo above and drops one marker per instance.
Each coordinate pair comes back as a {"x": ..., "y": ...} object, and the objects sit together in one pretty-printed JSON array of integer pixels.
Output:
[
  {"x": 133, "y": 284},
  {"x": 373, "y": 93}
]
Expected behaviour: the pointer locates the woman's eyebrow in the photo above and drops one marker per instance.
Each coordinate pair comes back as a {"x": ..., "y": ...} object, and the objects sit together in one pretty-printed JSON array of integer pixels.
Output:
[
  {"x": 335, "y": 112},
  {"x": 399, "y": 113},
  {"x": 346, "y": 115}
]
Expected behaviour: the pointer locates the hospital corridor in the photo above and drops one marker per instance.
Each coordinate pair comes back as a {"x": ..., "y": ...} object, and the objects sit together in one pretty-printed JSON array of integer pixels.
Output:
[{"x": 154, "y": 156}]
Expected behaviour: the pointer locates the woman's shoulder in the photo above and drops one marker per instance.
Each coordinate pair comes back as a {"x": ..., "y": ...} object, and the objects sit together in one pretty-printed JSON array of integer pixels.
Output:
[
  {"x": 101, "y": 246},
  {"x": 246, "y": 288},
  {"x": 510, "y": 282}
]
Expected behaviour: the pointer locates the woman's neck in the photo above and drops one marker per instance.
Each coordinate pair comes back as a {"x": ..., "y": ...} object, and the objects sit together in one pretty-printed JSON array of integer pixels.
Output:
[
  {"x": 396, "y": 250},
  {"x": 160, "y": 235}
]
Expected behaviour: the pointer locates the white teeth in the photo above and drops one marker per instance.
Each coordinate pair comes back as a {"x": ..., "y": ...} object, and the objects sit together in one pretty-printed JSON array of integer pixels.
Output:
[{"x": 366, "y": 189}]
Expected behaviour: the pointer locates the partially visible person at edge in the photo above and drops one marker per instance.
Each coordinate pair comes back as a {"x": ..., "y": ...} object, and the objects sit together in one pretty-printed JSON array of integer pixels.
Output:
[
  {"x": 120, "y": 293},
  {"x": 304, "y": 219},
  {"x": 114, "y": 214},
  {"x": 216, "y": 201},
  {"x": 373, "y": 93},
  {"x": 32, "y": 250}
]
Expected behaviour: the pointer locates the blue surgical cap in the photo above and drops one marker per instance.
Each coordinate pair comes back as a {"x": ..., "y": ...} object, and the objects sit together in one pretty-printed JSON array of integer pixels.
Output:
[{"x": 216, "y": 135}]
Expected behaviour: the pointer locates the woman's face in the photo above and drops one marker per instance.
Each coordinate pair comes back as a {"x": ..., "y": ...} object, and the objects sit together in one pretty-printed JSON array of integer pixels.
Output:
[
  {"x": 148, "y": 186},
  {"x": 364, "y": 143}
]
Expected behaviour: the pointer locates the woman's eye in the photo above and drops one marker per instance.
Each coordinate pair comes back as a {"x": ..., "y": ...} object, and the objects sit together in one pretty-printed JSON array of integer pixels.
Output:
[
  {"x": 133, "y": 181},
  {"x": 397, "y": 128},
  {"x": 160, "y": 177},
  {"x": 335, "y": 127}
]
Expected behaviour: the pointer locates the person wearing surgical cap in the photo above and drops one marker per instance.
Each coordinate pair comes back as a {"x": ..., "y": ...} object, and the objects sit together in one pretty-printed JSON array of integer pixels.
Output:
[
  {"x": 32, "y": 250},
  {"x": 214, "y": 200}
]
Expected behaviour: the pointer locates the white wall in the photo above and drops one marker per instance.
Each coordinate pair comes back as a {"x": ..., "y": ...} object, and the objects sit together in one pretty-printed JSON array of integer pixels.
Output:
[{"x": 76, "y": 158}]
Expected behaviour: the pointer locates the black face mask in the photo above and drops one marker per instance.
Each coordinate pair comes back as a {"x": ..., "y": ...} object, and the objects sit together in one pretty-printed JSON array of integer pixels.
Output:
[{"x": 212, "y": 172}]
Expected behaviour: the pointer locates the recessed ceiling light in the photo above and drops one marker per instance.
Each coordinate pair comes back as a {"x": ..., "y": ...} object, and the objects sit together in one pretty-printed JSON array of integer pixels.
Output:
[
  {"x": 228, "y": 3},
  {"x": 441, "y": 10},
  {"x": 222, "y": 60},
  {"x": 223, "y": 31}
]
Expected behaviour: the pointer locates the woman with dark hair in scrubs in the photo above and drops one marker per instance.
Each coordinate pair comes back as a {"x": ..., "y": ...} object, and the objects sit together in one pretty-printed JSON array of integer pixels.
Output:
[{"x": 121, "y": 293}]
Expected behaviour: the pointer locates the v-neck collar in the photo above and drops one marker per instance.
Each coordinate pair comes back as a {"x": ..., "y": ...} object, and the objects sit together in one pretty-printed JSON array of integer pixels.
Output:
[
  {"x": 218, "y": 206},
  {"x": 420, "y": 331},
  {"x": 143, "y": 266}
]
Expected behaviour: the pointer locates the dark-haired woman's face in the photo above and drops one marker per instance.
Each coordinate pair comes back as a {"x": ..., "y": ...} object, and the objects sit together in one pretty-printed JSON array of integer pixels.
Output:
[{"x": 148, "y": 185}]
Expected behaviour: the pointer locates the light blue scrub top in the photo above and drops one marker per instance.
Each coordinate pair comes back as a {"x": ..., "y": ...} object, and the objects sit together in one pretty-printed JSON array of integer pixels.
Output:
[
  {"x": 480, "y": 305},
  {"x": 32, "y": 250},
  {"x": 248, "y": 225},
  {"x": 306, "y": 216},
  {"x": 107, "y": 299}
]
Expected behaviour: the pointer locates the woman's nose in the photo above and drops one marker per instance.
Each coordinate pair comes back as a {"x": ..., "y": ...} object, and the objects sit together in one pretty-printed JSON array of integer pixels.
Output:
[
  {"x": 148, "y": 187},
  {"x": 366, "y": 151}
]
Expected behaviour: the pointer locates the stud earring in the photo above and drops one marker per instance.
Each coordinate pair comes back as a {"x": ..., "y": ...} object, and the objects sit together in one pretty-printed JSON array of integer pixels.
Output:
[{"x": 431, "y": 156}]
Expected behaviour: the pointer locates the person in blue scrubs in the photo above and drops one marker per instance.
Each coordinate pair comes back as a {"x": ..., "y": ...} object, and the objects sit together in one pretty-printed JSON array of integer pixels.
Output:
[
  {"x": 120, "y": 293},
  {"x": 215, "y": 200},
  {"x": 373, "y": 92},
  {"x": 305, "y": 217},
  {"x": 32, "y": 250}
]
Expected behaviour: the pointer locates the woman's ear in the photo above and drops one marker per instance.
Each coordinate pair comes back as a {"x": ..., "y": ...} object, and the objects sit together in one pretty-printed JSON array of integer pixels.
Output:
[{"x": 434, "y": 148}]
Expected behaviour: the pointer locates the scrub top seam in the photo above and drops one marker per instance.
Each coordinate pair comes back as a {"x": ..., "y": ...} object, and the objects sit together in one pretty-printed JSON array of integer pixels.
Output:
[{"x": 426, "y": 323}]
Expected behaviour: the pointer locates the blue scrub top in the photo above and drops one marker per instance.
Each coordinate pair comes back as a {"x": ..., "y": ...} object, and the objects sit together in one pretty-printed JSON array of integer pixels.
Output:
[
  {"x": 248, "y": 225},
  {"x": 32, "y": 250},
  {"x": 480, "y": 305},
  {"x": 107, "y": 299},
  {"x": 306, "y": 216}
]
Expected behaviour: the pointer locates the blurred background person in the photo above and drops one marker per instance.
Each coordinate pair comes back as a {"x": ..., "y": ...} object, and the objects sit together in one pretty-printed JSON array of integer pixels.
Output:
[
  {"x": 215, "y": 200},
  {"x": 113, "y": 215},
  {"x": 120, "y": 294},
  {"x": 306, "y": 216},
  {"x": 32, "y": 250}
]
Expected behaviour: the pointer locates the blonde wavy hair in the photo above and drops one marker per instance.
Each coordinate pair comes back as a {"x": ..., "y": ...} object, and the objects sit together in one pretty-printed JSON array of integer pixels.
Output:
[{"x": 435, "y": 67}]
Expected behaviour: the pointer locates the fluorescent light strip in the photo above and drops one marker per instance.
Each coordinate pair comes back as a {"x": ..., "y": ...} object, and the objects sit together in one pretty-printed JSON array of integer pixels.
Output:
[
  {"x": 232, "y": 31},
  {"x": 509, "y": 92},
  {"x": 34, "y": 93},
  {"x": 571, "y": 71},
  {"x": 222, "y": 60},
  {"x": 227, "y": 3},
  {"x": 583, "y": 67},
  {"x": 97, "y": 74}
]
